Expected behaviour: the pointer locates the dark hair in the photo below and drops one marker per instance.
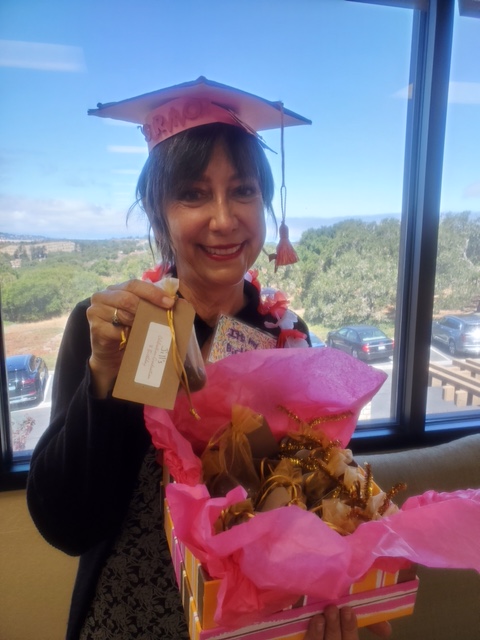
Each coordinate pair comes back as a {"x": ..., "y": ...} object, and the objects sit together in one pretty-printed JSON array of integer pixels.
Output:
[{"x": 178, "y": 161}]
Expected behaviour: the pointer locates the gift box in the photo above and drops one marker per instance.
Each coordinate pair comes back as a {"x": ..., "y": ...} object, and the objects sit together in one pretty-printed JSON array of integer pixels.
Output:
[
  {"x": 380, "y": 595},
  {"x": 262, "y": 565}
]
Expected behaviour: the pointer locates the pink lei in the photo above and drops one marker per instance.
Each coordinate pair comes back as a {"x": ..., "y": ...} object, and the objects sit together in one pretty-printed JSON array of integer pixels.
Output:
[{"x": 272, "y": 302}]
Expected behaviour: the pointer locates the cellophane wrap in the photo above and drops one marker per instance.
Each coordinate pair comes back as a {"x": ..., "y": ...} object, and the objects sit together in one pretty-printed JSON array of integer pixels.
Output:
[{"x": 265, "y": 564}]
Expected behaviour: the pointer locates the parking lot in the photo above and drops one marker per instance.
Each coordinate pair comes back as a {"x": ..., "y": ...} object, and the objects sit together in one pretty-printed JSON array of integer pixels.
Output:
[{"x": 379, "y": 408}]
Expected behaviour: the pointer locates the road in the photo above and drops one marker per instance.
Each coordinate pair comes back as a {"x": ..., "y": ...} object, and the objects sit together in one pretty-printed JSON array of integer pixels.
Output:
[{"x": 377, "y": 409}]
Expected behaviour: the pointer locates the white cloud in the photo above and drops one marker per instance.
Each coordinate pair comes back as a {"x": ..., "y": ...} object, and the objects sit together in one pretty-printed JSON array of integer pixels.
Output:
[
  {"x": 41, "y": 56},
  {"x": 75, "y": 219}
]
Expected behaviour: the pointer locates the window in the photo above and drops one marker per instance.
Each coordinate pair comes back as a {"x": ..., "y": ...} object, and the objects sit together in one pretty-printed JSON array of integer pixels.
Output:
[
  {"x": 455, "y": 352},
  {"x": 364, "y": 181}
]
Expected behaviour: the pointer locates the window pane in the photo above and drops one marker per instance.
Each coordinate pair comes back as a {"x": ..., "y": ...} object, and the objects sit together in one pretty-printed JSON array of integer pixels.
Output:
[
  {"x": 455, "y": 351},
  {"x": 69, "y": 180},
  {"x": 31, "y": 352}
]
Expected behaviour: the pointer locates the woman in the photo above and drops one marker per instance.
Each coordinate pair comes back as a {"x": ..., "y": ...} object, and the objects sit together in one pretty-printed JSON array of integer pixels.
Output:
[{"x": 93, "y": 488}]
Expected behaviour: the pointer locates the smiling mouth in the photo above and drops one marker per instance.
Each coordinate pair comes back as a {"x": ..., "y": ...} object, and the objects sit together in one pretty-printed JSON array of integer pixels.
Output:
[{"x": 221, "y": 252}]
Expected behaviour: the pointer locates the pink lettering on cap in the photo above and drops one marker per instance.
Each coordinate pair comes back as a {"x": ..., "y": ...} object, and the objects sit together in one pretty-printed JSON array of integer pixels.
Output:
[{"x": 182, "y": 114}]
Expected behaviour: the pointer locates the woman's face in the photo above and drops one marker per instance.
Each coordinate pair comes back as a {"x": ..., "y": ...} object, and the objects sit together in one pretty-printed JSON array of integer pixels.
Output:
[{"x": 217, "y": 226}]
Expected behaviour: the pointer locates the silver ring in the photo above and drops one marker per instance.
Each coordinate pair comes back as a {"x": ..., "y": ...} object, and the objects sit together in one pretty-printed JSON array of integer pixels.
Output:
[{"x": 115, "y": 320}]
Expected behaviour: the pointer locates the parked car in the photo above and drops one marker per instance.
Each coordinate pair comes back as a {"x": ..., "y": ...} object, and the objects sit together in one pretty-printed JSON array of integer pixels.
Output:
[
  {"x": 460, "y": 334},
  {"x": 315, "y": 340},
  {"x": 361, "y": 341},
  {"x": 27, "y": 378}
]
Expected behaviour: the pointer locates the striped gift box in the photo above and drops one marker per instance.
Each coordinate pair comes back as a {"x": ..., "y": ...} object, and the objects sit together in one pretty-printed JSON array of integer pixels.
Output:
[{"x": 378, "y": 596}]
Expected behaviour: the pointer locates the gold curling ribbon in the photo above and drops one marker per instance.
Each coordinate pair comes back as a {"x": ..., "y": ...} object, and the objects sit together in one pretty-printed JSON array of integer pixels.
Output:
[
  {"x": 123, "y": 339},
  {"x": 313, "y": 423},
  {"x": 228, "y": 517},
  {"x": 182, "y": 374},
  {"x": 281, "y": 480}
]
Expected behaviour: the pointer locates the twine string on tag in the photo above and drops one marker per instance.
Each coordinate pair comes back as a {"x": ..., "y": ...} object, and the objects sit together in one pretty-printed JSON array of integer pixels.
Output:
[{"x": 179, "y": 366}]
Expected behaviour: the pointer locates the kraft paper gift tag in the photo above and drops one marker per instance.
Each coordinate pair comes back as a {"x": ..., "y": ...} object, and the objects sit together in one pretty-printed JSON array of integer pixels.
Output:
[{"x": 148, "y": 374}]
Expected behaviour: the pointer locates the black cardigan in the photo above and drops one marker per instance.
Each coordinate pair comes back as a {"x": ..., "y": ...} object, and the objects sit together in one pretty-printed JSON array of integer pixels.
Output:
[{"x": 85, "y": 466}]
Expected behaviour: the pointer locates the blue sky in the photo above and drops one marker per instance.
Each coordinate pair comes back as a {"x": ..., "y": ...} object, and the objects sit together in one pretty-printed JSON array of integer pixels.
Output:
[{"x": 342, "y": 64}]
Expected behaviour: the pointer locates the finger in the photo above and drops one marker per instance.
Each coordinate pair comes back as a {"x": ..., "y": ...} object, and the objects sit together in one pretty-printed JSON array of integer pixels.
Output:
[
  {"x": 120, "y": 318},
  {"x": 333, "y": 630},
  {"x": 316, "y": 628},
  {"x": 381, "y": 629},
  {"x": 106, "y": 337},
  {"x": 105, "y": 319},
  {"x": 348, "y": 622},
  {"x": 118, "y": 304},
  {"x": 145, "y": 291},
  {"x": 333, "y": 624},
  {"x": 340, "y": 624}
]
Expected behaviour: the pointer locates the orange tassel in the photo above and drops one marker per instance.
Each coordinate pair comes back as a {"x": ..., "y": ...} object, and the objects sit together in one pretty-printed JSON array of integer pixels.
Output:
[{"x": 285, "y": 252}]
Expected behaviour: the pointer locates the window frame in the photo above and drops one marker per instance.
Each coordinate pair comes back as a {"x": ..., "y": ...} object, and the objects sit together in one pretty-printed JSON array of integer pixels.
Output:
[{"x": 431, "y": 51}]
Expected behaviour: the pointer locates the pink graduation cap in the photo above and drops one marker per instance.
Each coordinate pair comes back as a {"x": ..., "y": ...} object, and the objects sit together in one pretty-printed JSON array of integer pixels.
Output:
[{"x": 164, "y": 113}]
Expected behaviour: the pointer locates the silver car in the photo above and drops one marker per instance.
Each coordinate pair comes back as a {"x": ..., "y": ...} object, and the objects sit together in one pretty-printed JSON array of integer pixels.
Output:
[{"x": 460, "y": 334}]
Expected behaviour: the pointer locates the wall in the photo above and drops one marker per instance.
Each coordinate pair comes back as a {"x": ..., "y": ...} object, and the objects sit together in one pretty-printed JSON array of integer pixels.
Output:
[{"x": 35, "y": 579}]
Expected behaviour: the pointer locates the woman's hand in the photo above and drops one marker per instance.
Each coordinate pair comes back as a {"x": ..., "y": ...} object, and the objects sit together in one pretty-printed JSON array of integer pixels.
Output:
[
  {"x": 341, "y": 624},
  {"x": 112, "y": 312}
]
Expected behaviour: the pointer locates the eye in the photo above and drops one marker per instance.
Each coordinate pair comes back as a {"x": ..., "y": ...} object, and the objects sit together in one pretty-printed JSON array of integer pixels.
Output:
[
  {"x": 191, "y": 194},
  {"x": 246, "y": 190}
]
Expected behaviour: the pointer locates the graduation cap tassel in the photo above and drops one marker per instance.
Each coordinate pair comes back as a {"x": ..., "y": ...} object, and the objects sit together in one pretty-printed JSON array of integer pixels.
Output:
[{"x": 285, "y": 253}]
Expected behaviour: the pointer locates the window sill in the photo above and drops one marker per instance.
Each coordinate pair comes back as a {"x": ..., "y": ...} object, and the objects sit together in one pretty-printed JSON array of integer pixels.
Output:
[{"x": 14, "y": 478}]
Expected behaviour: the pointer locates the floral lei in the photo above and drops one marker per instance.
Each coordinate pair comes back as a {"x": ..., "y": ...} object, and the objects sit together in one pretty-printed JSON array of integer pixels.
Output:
[{"x": 272, "y": 302}]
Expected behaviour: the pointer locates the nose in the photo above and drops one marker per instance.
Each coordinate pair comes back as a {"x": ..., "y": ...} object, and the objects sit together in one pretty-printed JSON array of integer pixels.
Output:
[{"x": 222, "y": 215}]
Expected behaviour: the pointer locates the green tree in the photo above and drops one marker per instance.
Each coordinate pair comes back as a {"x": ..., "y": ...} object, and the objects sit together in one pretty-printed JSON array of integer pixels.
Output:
[
  {"x": 457, "y": 284},
  {"x": 21, "y": 253},
  {"x": 350, "y": 272},
  {"x": 7, "y": 272},
  {"x": 46, "y": 292},
  {"x": 38, "y": 252},
  {"x": 133, "y": 266},
  {"x": 103, "y": 267}
]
